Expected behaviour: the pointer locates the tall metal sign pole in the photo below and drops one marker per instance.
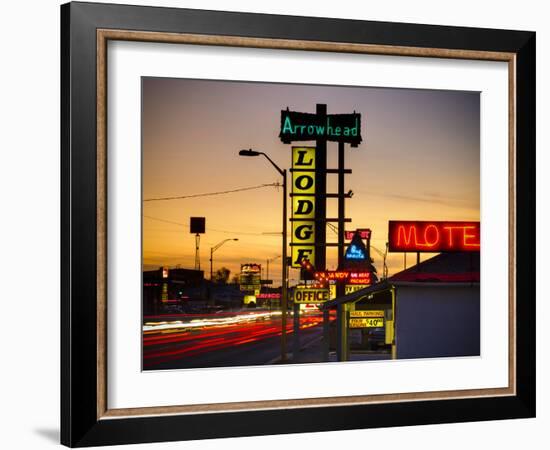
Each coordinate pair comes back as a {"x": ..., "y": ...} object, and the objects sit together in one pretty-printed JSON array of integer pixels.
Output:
[
  {"x": 341, "y": 213},
  {"x": 320, "y": 212},
  {"x": 197, "y": 226},
  {"x": 321, "y": 193},
  {"x": 321, "y": 128},
  {"x": 284, "y": 280}
]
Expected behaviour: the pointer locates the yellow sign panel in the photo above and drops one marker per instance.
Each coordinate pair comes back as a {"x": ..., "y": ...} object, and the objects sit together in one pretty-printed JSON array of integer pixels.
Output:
[
  {"x": 311, "y": 295},
  {"x": 303, "y": 205},
  {"x": 389, "y": 332},
  {"x": 373, "y": 313},
  {"x": 350, "y": 288},
  {"x": 303, "y": 170},
  {"x": 303, "y": 157},
  {"x": 303, "y": 232},
  {"x": 300, "y": 252},
  {"x": 365, "y": 323}
]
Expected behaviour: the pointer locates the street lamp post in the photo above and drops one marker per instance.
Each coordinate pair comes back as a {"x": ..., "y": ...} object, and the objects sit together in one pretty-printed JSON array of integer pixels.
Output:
[
  {"x": 284, "y": 277},
  {"x": 213, "y": 249},
  {"x": 267, "y": 278},
  {"x": 267, "y": 269}
]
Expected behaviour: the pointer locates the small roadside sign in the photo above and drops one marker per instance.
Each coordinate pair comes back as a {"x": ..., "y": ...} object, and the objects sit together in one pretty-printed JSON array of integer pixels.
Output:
[
  {"x": 311, "y": 295},
  {"x": 369, "y": 313},
  {"x": 366, "y": 322}
]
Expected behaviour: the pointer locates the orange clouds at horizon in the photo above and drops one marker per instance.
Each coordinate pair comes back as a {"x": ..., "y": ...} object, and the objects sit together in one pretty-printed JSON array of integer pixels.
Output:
[{"x": 419, "y": 160}]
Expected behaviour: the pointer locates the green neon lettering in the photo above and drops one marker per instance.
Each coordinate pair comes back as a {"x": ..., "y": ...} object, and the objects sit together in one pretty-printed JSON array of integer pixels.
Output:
[
  {"x": 329, "y": 128},
  {"x": 287, "y": 126},
  {"x": 355, "y": 129}
]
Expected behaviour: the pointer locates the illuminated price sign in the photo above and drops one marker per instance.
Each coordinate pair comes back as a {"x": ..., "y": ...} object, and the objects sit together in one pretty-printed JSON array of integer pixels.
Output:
[
  {"x": 351, "y": 288},
  {"x": 366, "y": 322},
  {"x": 417, "y": 236},
  {"x": 367, "y": 313}
]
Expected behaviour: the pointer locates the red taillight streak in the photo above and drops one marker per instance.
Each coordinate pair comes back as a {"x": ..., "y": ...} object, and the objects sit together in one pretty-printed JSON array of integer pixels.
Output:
[
  {"x": 254, "y": 334},
  {"x": 257, "y": 331}
]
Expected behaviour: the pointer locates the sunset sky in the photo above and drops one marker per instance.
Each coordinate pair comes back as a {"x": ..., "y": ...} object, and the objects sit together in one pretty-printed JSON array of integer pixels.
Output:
[{"x": 419, "y": 160}]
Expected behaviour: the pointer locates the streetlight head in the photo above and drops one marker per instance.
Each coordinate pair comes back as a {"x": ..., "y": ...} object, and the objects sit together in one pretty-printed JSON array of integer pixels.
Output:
[
  {"x": 249, "y": 152},
  {"x": 235, "y": 239}
]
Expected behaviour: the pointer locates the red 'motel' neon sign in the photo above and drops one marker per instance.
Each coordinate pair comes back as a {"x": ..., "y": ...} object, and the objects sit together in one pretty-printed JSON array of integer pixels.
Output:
[{"x": 421, "y": 236}]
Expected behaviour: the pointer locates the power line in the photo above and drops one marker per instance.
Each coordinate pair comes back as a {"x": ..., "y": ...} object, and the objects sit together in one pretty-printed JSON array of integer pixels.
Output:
[
  {"x": 244, "y": 233},
  {"x": 212, "y": 193},
  {"x": 166, "y": 221}
]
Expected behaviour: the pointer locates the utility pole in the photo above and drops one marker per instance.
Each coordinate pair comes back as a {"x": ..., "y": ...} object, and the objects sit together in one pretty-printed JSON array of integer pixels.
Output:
[{"x": 284, "y": 277}]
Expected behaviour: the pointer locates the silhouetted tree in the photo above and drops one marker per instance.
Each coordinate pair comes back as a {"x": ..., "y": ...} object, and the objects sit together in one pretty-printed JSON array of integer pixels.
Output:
[
  {"x": 222, "y": 275},
  {"x": 235, "y": 279}
]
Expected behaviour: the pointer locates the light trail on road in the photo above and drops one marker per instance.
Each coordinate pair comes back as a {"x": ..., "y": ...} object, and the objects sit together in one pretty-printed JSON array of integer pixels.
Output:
[
  {"x": 165, "y": 341},
  {"x": 212, "y": 320}
]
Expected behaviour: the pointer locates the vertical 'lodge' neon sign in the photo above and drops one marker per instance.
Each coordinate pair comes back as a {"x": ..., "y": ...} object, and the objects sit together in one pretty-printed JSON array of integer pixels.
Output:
[
  {"x": 303, "y": 205},
  {"x": 422, "y": 236}
]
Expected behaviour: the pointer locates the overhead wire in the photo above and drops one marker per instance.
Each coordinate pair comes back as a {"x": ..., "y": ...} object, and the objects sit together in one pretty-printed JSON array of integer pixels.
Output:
[
  {"x": 244, "y": 233},
  {"x": 208, "y": 194}
]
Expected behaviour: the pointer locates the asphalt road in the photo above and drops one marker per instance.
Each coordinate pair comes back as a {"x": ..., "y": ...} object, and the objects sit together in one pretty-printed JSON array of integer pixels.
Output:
[{"x": 220, "y": 340}]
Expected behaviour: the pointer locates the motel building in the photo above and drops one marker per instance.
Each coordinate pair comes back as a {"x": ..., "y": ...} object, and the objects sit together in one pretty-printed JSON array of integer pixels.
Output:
[
  {"x": 164, "y": 287},
  {"x": 429, "y": 310}
]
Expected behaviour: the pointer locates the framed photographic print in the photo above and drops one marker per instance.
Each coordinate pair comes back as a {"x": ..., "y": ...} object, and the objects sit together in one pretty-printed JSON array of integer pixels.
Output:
[{"x": 276, "y": 224}]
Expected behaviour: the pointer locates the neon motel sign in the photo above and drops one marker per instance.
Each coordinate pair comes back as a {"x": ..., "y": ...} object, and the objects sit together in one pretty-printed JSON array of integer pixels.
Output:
[
  {"x": 300, "y": 126},
  {"x": 303, "y": 205},
  {"x": 423, "y": 236},
  {"x": 311, "y": 295},
  {"x": 363, "y": 278},
  {"x": 364, "y": 233},
  {"x": 354, "y": 252},
  {"x": 326, "y": 130}
]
